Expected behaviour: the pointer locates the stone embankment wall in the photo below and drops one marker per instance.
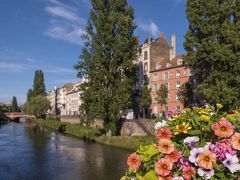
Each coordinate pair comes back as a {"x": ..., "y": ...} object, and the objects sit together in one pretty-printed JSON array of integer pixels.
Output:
[
  {"x": 98, "y": 123},
  {"x": 139, "y": 127}
]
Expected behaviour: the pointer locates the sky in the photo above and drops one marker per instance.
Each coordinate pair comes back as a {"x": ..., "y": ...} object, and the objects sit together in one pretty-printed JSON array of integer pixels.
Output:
[{"x": 46, "y": 34}]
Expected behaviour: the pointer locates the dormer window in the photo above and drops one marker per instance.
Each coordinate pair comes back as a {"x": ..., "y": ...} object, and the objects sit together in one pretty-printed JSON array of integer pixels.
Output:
[
  {"x": 145, "y": 55},
  {"x": 158, "y": 66},
  {"x": 179, "y": 62},
  {"x": 168, "y": 65}
]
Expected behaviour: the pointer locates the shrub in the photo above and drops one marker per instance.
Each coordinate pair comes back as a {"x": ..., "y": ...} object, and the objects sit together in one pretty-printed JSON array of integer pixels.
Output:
[{"x": 198, "y": 143}]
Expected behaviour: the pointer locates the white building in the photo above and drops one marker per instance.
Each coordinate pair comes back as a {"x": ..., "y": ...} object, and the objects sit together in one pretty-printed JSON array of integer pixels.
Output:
[{"x": 73, "y": 100}]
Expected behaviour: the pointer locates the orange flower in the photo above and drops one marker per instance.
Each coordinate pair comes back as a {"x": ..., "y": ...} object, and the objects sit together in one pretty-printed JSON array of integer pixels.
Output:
[
  {"x": 164, "y": 133},
  {"x": 188, "y": 172},
  {"x": 134, "y": 161},
  {"x": 163, "y": 167},
  {"x": 165, "y": 146},
  {"x": 206, "y": 159},
  {"x": 223, "y": 128},
  {"x": 173, "y": 157},
  {"x": 170, "y": 177},
  {"x": 236, "y": 141}
]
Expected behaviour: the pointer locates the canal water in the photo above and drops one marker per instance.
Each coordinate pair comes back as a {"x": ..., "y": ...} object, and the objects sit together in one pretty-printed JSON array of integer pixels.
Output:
[{"x": 28, "y": 152}]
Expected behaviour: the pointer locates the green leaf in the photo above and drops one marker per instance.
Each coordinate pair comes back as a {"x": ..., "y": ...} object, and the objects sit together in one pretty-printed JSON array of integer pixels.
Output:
[
  {"x": 194, "y": 132},
  {"x": 151, "y": 175}
]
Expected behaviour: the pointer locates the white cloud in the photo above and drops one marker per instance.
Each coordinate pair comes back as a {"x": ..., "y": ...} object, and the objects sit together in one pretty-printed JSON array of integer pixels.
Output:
[
  {"x": 13, "y": 67},
  {"x": 150, "y": 27},
  {"x": 62, "y": 12},
  {"x": 59, "y": 70},
  {"x": 65, "y": 23}
]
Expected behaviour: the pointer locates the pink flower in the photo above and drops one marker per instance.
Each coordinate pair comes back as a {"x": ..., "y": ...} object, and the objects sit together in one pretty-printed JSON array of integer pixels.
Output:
[
  {"x": 173, "y": 157},
  {"x": 163, "y": 167},
  {"x": 223, "y": 128},
  {"x": 134, "y": 161},
  {"x": 164, "y": 133}
]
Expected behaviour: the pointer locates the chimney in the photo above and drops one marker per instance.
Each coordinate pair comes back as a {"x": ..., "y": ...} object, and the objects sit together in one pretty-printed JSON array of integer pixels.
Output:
[
  {"x": 149, "y": 39},
  {"x": 173, "y": 50},
  {"x": 137, "y": 41}
]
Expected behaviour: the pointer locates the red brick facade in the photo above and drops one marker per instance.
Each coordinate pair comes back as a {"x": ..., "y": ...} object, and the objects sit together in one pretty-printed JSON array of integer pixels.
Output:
[{"x": 172, "y": 74}]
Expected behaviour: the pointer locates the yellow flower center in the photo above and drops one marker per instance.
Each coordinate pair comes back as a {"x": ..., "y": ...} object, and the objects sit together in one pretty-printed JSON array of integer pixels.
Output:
[{"x": 223, "y": 128}]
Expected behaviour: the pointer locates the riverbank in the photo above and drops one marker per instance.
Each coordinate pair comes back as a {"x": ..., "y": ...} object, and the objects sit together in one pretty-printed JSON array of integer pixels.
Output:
[{"x": 92, "y": 134}]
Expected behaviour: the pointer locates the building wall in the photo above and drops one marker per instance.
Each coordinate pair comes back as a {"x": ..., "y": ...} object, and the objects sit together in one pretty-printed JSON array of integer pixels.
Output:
[{"x": 157, "y": 78}]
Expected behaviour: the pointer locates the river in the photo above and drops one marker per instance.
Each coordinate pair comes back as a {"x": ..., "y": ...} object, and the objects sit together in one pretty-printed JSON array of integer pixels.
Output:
[{"x": 29, "y": 152}]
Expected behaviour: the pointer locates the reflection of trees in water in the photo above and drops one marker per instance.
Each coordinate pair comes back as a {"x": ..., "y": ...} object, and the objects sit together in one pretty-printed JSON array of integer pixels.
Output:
[{"x": 38, "y": 136}]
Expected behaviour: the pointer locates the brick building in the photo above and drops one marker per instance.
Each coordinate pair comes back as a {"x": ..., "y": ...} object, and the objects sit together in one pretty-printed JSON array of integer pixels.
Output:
[{"x": 159, "y": 64}]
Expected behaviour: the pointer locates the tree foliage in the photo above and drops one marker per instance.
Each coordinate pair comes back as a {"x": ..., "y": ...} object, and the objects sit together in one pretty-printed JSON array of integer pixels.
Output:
[
  {"x": 145, "y": 97},
  {"x": 37, "y": 103},
  {"x": 162, "y": 95},
  {"x": 15, "y": 107},
  {"x": 38, "y": 84},
  {"x": 185, "y": 93},
  {"x": 107, "y": 61},
  {"x": 213, "y": 49},
  {"x": 38, "y": 106}
]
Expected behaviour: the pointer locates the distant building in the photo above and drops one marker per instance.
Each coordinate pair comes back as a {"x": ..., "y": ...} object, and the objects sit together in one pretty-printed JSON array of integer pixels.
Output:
[{"x": 65, "y": 100}]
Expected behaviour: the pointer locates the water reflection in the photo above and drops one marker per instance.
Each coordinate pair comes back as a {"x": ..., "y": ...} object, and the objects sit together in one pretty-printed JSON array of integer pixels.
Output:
[{"x": 31, "y": 152}]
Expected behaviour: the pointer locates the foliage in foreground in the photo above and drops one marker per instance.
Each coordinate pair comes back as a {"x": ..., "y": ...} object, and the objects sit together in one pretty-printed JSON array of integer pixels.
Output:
[
  {"x": 198, "y": 143},
  {"x": 107, "y": 62}
]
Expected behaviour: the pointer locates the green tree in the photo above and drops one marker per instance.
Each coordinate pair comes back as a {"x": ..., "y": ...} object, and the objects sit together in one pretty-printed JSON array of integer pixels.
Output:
[
  {"x": 145, "y": 99},
  {"x": 185, "y": 93},
  {"x": 38, "y": 106},
  {"x": 212, "y": 45},
  {"x": 107, "y": 61},
  {"x": 29, "y": 94},
  {"x": 3, "y": 108},
  {"x": 38, "y": 85},
  {"x": 162, "y": 95},
  {"x": 15, "y": 107}
]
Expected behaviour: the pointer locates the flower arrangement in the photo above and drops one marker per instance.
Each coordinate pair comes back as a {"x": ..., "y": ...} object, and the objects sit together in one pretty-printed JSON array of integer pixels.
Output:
[{"x": 198, "y": 143}]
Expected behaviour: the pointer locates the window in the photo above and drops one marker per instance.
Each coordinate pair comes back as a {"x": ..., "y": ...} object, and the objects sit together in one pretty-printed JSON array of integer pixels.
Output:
[
  {"x": 145, "y": 55},
  {"x": 145, "y": 67},
  {"x": 166, "y": 108},
  {"x": 165, "y": 75},
  {"x": 168, "y": 97},
  {"x": 155, "y": 77},
  {"x": 178, "y": 85},
  {"x": 178, "y": 108},
  {"x": 178, "y": 73},
  {"x": 155, "y": 87},
  {"x": 166, "y": 84},
  {"x": 155, "y": 109},
  {"x": 179, "y": 62},
  {"x": 168, "y": 64},
  {"x": 158, "y": 66},
  {"x": 177, "y": 97}
]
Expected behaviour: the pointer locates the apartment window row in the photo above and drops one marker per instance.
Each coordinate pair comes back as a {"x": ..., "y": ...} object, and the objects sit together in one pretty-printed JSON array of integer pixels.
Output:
[
  {"x": 168, "y": 85},
  {"x": 165, "y": 75},
  {"x": 177, "y": 97}
]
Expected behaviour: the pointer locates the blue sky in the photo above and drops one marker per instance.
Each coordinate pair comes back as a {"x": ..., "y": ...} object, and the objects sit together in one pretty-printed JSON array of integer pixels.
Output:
[{"x": 46, "y": 34}]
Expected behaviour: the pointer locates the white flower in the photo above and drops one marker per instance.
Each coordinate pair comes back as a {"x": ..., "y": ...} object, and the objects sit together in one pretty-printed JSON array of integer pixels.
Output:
[
  {"x": 194, "y": 154},
  {"x": 178, "y": 178},
  {"x": 159, "y": 125},
  {"x": 232, "y": 163},
  {"x": 191, "y": 141},
  {"x": 207, "y": 173}
]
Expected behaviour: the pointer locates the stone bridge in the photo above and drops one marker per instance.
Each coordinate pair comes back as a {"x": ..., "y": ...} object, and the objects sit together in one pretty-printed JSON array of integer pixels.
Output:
[{"x": 15, "y": 116}]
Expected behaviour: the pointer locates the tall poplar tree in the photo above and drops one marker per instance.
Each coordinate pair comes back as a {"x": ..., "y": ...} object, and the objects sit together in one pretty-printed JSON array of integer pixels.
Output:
[
  {"x": 15, "y": 107},
  {"x": 107, "y": 61},
  {"x": 213, "y": 49},
  {"x": 38, "y": 84}
]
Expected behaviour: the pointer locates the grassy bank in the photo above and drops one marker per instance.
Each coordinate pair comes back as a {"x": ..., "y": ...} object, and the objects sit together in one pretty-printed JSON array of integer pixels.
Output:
[
  {"x": 126, "y": 142},
  {"x": 88, "y": 133}
]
